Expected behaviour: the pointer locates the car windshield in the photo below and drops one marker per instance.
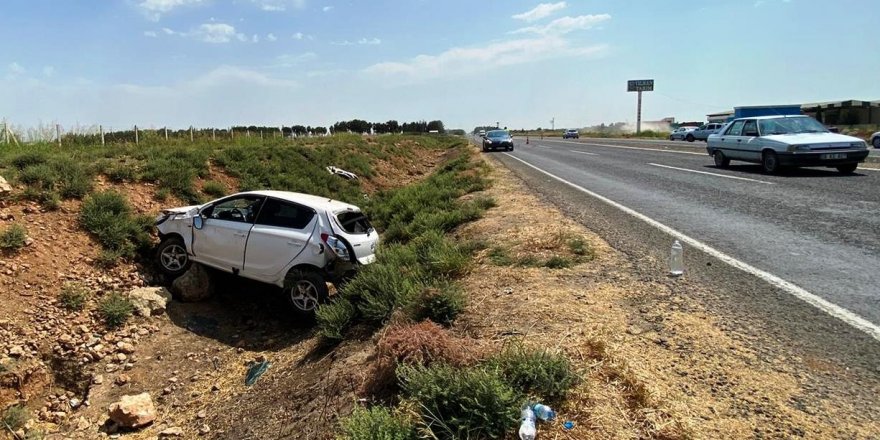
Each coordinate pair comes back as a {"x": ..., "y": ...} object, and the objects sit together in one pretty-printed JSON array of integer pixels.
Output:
[
  {"x": 498, "y": 134},
  {"x": 790, "y": 126}
]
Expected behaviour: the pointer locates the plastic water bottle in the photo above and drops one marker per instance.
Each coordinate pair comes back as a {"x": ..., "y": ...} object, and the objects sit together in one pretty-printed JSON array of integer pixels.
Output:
[
  {"x": 544, "y": 412},
  {"x": 527, "y": 429},
  {"x": 676, "y": 259}
]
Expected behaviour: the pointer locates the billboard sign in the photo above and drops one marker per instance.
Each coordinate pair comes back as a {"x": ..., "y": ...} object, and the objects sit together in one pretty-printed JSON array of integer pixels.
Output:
[{"x": 640, "y": 85}]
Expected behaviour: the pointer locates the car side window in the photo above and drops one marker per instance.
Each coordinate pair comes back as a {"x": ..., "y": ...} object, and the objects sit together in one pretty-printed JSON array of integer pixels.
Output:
[
  {"x": 750, "y": 128},
  {"x": 285, "y": 215},
  {"x": 735, "y": 129},
  {"x": 239, "y": 209}
]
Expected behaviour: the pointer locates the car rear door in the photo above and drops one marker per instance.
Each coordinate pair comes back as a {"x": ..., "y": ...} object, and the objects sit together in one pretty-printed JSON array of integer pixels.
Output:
[
  {"x": 355, "y": 228},
  {"x": 220, "y": 242},
  {"x": 280, "y": 234},
  {"x": 731, "y": 141}
]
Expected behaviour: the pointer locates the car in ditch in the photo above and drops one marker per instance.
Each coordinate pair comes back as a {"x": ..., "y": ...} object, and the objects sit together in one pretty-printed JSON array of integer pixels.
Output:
[
  {"x": 571, "y": 134},
  {"x": 498, "y": 140},
  {"x": 297, "y": 242},
  {"x": 702, "y": 132},
  {"x": 776, "y": 142}
]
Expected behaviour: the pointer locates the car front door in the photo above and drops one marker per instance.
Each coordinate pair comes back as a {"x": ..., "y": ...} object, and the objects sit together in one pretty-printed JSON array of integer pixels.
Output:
[
  {"x": 751, "y": 142},
  {"x": 731, "y": 141},
  {"x": 221, "y": 240},
  {"x": 280, "y": 234}
]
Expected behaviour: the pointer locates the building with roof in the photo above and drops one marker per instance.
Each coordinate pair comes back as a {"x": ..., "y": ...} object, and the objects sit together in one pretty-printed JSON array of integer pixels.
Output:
[{"x": 852, "y": 112}]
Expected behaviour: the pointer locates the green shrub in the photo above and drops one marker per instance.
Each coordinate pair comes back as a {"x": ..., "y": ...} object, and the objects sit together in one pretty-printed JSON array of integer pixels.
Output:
[
  {"x": 461, "y": 403},
  {"x": 162, "y": 194},
  {"x": 115, "y": 309},
  {"x": 74, "y": 181},
  {"x": 214, "y": 188},
  {"x": 440, "y": 304},
  {"x": 500, "y": 257},
  {"x": 380, "y": 288},
  {"x": 109, "y": 217},
  {"x": 13, "y": 237},
  {"x": 73, "y": 296},
  {"x": 558, "y": 262},
  {"x": 377, "y": 423},
  {"x": 39, "y": 176},
  {"x": 579, "y": 247},
  {"x": 439, "y": 255},
  {"x": 528, "y": 261},
  {"x": 537, "y": 373},
  {"x": 334, "y": 319},
  {"x": 15, "y": 417},
  {"x": 28, "y": 159},
  {"x": 121, "y": 172}
]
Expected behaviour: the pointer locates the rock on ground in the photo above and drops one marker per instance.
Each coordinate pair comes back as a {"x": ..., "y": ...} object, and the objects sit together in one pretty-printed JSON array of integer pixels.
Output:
[
  {"x": 5, "y": 187},
  {"x": 133, "y": 411},
  {"x": 149, "y": 301},
  {"x": 194, "y": 285}
]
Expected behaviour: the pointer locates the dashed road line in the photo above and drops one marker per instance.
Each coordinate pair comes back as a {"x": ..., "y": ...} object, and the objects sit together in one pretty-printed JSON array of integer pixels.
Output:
[
  {"x": 711, "y": 174},
  {"x": 583, "y": 152}
]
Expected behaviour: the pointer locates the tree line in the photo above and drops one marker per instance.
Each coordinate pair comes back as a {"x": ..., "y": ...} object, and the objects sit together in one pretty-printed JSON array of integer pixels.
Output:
[{"x": 392, "y": 126}]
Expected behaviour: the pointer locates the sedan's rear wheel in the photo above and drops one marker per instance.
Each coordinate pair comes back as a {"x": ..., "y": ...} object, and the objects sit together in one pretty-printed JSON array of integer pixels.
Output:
[
  {"x": 770, "y": 162},
  {"x": 848, "y": 168},
  {"x": 171, "y": 257},
  {"x": 690, "y": 138},
  {"x": 305, "y": 291},
  {"x": 876, "y": 142},
  {"x": 720, "y": 160}
]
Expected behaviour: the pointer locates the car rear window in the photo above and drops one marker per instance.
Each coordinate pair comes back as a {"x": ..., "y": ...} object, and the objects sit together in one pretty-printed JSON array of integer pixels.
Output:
[{"x": 354, "y": 222}]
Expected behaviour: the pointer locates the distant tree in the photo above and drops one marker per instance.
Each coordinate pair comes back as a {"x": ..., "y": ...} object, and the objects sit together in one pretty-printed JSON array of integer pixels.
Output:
[{"x": 436, "y": 125}]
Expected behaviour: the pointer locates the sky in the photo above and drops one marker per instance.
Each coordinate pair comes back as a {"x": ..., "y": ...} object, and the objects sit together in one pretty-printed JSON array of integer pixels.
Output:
[{"x": 520, "y": 63}]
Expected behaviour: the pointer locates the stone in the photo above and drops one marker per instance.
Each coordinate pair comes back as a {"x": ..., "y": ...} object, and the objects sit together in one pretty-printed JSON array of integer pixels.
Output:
[
  {"x": 5, "y": 187},
  {"x": 204, "y": 430},
  {"x": 16, "y": 351},
  {"x": 194, "y": 285},
  {"x": 134, "y": 411},
  {"x": 122, "y": 379},
  {"x": 149, "y": 301},
  {"x": 174, "y": 431},
  {"x": 125, "y": 347}
]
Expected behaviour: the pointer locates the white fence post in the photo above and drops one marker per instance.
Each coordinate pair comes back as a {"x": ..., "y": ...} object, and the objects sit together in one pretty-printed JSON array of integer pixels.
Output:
[
  {"x": 136, "y": 135},
  {"x": 213, "y": 134},
  {"x": 191, "y": 133},
  {"x": 58, "y": 133},
  {"x": 101, "y": 129},
  {"x": 166, "y": 133}
]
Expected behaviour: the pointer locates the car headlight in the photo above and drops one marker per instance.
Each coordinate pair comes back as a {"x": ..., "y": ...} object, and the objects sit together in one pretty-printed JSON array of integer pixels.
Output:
[
  {"x": 792, "y": 148},
  {"x": 859, "y": 145}
]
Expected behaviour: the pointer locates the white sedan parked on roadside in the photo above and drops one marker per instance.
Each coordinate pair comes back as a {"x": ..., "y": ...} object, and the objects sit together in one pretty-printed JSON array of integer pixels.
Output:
[{"x": 295, "y": 241}]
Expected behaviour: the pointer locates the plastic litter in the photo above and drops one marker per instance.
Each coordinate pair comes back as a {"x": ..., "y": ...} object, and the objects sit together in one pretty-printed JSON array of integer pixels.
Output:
[
  {"x": 342, "y": 173},
  {"x": 255, "y": 371},
  {"x": 676, "y": 259},
  {"x": 527, "y": 429},
  {"x": 544, "y": 412},
  {"x": 568, "y": 425}
]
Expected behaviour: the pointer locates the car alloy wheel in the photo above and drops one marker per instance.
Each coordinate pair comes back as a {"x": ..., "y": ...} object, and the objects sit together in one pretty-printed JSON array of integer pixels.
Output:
[
  {"x": 770, "y": 162},
  {"x": 304, "y": 295},
  {"x": 173, "y": 257}
]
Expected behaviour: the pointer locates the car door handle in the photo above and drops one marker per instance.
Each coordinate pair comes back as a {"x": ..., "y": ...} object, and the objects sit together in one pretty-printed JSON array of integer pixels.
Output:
[
  {"x": 239, "y": 234},
  {"x": 294, "y": 243}
]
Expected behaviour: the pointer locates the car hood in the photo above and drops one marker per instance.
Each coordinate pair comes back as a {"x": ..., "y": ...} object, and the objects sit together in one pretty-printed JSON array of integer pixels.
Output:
[
  {"x": 498, "y": 139},
  {"x": 181, "y": 210},
  {"x": 833, "y": 139}
]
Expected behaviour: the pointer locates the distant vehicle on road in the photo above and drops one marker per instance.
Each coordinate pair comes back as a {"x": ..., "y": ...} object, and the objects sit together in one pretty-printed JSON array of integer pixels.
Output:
[
  {"x": 680, "y": 133},
  {"x": 875, "y": 140},
  {"x": 702, "y": 132},
  {"x": 571, "y": 134},
  {"x": 781, "y": 141},
  {"x": 498, "y": 140}
]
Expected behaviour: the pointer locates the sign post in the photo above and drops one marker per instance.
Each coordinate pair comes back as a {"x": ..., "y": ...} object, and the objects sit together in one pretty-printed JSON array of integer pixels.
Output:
[{"x": 639, "y": 85}]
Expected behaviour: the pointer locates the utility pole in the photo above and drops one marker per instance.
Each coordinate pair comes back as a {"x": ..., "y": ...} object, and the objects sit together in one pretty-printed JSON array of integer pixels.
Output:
[{"x": 553, "y": 123}]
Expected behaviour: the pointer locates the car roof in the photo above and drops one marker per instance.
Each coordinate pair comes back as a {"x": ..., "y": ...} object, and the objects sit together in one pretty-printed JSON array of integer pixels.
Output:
[
  {"x": 312, "y": 201},
  {"x": 772, "y": 117}
]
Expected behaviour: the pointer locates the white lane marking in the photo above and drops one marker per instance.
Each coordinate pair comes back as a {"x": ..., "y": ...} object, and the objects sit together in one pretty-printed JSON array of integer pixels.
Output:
[
  {"x": 711, "y": 174},
  {"x": 634, "y": 148},
  {"x": 826, "y": 306},
  {"x": 583, "y": 152}
]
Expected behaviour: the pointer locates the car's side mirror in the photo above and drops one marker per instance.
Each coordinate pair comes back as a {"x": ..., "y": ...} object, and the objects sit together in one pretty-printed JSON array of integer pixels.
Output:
[{"x": 198, "y": 221}]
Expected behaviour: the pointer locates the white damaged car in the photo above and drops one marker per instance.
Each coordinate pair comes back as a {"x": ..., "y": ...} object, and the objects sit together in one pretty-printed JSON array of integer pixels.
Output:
[{"x": 295, "y": 241}]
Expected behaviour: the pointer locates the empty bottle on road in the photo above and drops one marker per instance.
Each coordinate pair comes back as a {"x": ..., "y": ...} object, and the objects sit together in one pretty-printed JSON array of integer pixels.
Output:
[{"x": 676, "y": 259}]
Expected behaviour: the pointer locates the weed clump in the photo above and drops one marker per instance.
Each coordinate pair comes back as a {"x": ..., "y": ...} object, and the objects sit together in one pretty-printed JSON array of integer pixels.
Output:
[
  {"x": 73, "y": 296},
  {"x": 377, "y": 423},
  {"x": 537, "y": 373},
  {"x": 214, "y": 188},
  {"x": 334, "y": 318},
  {"x": 441, "y": 304},
  {"x": 13, "y": 237},
  {"x": 115, "y": 309},
  {"x": 15, "y": 417},
  {"x": 110, "y": 218}
]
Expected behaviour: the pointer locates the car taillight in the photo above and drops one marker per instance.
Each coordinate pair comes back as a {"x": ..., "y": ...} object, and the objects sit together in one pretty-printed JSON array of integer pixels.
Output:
[{"x": 336, "y": 245}]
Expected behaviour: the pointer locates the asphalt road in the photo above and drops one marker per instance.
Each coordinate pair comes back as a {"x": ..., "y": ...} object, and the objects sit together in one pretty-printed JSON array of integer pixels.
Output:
[{"x": 813, "y": 228}]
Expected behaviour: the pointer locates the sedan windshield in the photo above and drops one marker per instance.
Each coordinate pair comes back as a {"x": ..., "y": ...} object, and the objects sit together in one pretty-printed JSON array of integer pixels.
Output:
[
  {"x": 790, "y": 126},
  {"x": 498, "y": 134}
]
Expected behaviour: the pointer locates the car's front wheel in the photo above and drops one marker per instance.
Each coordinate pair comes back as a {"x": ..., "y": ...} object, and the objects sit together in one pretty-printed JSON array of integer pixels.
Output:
[
  {"x": 876, "y": 142},
  {"x": 848, "y": 168},
  {"x": 721, "y": 161},
  {"x": 305, "y": 290},
  {"x": 690, "y": 138},
  {"x": 770, "y": 162},
  {"x": 171, "y": 257}
]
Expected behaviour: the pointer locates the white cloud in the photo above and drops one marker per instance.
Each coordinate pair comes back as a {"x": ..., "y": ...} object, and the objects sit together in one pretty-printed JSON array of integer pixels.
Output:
[
  {"x": 327, "y": 8},
  {"x": 168, "y": 31},
  {"x": 290, "y": 60},
  {"x": 371, "y": 41},
  {"x": 255, "y": 38},
  {"x": 16, "y": 69},
  {"x": 462, "y": 61},
  {"x": 153, "y": 9},
  {"x": 48, "y": 71},
  {"x": 279, "y": 5},
  {"x": 271, "y": 37},
  {"x": 362, "y": 41},
  {"x": 150, "y": 34},
  {"x": 215, "y": 33},
  {"x": 302, "y": 36},
  {"x": 565, "y": 25},
  {"x": 540, "y": 11}
]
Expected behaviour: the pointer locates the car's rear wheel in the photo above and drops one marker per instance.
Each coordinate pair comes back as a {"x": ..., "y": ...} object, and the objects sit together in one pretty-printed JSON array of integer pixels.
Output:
[
  {"x": 690, "y": 138},
  {"x": 671, "y": 138},
  {"x": 770, "y": 162},
  {"x": 721, "y": 161},
  {"x": 171, "y": 257},
  {"x": 876, "y": 142},
  {"x": 305, "y": 290},
  {"x": 510, "y": 148},
  {"x": 848, "y": 168}
]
